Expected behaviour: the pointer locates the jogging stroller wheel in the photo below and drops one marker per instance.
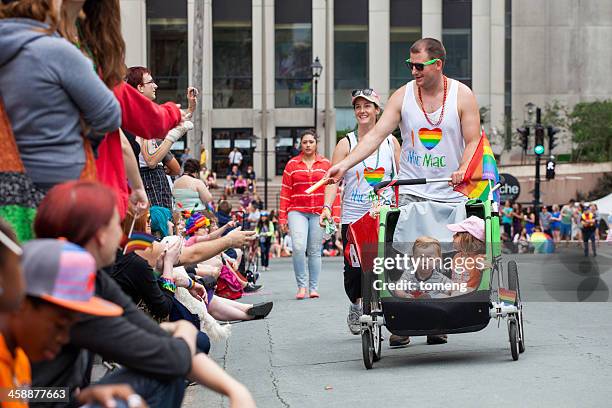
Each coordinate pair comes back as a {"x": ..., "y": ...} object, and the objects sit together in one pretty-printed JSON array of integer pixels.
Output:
[
  {"x": 513, "y": 284},
  {"x": 367, "y": 348},
  {"x": 377, "y": 342},
  {"x": 513, "y": 334}
]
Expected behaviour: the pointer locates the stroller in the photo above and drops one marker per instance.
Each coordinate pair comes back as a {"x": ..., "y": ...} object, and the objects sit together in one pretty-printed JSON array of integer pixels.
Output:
[{"x": 405, "y": 316}]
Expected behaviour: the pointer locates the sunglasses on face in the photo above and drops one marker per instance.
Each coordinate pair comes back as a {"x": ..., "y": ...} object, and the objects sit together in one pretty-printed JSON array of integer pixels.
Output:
[
  {"x": 421, "y": 66},
  {"x": 364, "y": 92}
]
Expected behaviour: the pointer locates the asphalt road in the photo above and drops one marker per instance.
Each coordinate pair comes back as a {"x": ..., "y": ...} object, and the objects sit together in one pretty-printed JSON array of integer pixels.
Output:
[{"x": 302, "y": 355}]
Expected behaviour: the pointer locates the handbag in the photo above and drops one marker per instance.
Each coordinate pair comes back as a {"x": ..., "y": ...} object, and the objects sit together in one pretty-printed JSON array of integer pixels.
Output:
[{"x": 19, "y": 196}]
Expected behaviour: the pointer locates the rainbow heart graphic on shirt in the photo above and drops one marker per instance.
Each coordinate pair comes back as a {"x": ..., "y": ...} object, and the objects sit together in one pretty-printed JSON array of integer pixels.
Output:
[
  {"x": 373, "y": 176},
  {"x": 430, "y": 137}
]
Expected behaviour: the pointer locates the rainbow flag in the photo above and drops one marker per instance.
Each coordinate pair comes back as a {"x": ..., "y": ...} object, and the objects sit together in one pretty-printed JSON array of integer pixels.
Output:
[
  {"x": 139, "y": 240},
  {"x": 507, "y": 296},
  {"x": 481, "y": 169}
]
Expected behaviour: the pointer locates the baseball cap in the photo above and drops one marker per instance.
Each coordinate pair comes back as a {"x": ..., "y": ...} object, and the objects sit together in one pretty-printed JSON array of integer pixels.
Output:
[
  {"x": 367, "y": 94},
  {"x": 64, "y": 274},
  {"x": 473, "y": 225}
]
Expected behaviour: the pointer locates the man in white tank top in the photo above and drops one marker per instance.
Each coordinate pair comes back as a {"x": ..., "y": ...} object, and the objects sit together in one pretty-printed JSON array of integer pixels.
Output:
[{"x": 440, "y": 126}]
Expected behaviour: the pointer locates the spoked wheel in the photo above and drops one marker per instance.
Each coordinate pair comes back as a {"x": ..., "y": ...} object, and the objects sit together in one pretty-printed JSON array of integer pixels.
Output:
[
  {"x": 513, "y": 284},
  {"x": 377, "y": 341},
  {"x": 367, "y": 348},
  {"x": 513, "y": 334}
]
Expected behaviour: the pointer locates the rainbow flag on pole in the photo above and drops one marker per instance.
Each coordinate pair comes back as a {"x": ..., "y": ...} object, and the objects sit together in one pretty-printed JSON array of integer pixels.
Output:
[
  {"x": 507, "y": 296},
  {"x": 481, "y": 174},
  {"x": 139, "y": 240}
]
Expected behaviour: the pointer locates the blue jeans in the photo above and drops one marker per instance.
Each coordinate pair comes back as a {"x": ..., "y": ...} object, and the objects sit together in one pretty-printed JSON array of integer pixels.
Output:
[
  {"x": 157, "y": 393},
  {"x": 307, "y": 237}
]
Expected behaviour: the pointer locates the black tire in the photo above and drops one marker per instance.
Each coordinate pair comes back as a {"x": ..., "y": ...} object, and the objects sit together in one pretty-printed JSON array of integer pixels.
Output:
[
  {"x": 513, "y": 334},
  {"x": 367, "y": 349},
  {"x": 513, "y": 284},
  {"x": 377, "y": 342}
]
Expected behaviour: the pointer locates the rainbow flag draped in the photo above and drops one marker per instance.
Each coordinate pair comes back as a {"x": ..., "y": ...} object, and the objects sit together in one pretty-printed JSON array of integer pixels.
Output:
[
  {"x": 507, "y": 296},
  {"x": 139, "y": 240},
  {"x": 481, "y": 169}
]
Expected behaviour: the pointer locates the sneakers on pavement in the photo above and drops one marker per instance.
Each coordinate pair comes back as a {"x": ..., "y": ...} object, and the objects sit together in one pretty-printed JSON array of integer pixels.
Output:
[
  {"x": 260, "y": 310},
  {"x": 352, "y": 319},
  {"x": 250, "y": 288}
]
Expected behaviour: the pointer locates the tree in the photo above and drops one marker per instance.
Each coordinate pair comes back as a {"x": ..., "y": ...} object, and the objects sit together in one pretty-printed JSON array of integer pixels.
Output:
[{"x": 591, "y": 125}]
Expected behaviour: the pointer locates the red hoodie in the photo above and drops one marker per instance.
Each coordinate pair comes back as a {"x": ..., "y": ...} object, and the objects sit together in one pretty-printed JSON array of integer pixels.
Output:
[{"x": 141, "y": 117}]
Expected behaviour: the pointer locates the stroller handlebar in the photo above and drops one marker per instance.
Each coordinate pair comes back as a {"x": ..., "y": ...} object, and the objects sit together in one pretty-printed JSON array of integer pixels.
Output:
[{"x": 409, "y": 182}]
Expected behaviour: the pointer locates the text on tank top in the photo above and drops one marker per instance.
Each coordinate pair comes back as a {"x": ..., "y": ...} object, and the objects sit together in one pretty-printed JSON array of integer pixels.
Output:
[
  {"x": 431, "y": 152},
  {"x": 358, "y": 193}
]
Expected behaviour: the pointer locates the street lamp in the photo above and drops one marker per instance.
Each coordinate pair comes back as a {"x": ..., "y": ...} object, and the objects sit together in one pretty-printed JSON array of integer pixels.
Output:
[
  {"x": 530, "y": 110},
  {"x": 316, "y": 73}
]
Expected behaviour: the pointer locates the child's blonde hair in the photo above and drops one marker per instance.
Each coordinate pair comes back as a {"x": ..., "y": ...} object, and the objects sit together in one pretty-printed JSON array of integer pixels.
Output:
[
  {"x": 426, "y": 242},
  {"x": 469, "y": 244}
]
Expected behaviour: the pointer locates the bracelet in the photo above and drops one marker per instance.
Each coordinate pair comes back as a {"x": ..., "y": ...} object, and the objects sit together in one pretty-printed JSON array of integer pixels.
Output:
[
  {"x": 168, "y": 284},
  {"x": 328, "y": 207},
  {"x": 191, "y": 284}
]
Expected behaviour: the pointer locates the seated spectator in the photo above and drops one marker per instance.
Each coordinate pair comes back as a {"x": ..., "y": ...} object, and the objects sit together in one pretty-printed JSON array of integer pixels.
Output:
[
  {"x": 234, "y": 173},
  {"x": 229, "y": 186},
  {"x": 245, "y": 200},
  {"x": 522, "y": 242},
  {"x": 210, "y": 178},
  {"x": 258, "y": 201},
  {"x": 161, "y": 221},
  {"x": 190, "y": 193},
  {"x": 468, "y": 262},
  {"x": 40, "y": 327},
  {"x": 250, "y": 177},
  {"x": 240, "y": 185}
]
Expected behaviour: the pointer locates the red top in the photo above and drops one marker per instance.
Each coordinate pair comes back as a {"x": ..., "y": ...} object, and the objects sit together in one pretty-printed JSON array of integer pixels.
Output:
[
  {"x": 297, "y": 178},
  {"x": 141, "y": 117}
]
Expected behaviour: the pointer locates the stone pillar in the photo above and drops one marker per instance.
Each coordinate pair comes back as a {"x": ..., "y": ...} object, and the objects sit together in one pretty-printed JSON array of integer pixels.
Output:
[
  {"x": 379, "y": 43},
  {"x": 497, "y": 67},
  {"x": 481, "y": 52},
  {"x": 134, "y": 31},
  {"x": 432, "y": 19}
]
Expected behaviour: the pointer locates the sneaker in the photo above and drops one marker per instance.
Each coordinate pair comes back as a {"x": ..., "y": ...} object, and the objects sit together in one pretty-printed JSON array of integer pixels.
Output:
[
  {"x": 313, "y": 294},
  {"x": 352, "y": 319},
  {"x": 250, "y": 288},
  {"x": 260, "y": 310},
  {"x": 398, "y": 341}
]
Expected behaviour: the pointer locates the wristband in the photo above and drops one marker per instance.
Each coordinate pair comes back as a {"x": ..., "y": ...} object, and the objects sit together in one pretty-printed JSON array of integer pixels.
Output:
[
  {"x": 168, "y": 284},
  {"x": 191, "y": 284},
  {"x": 328, "y": 207}
]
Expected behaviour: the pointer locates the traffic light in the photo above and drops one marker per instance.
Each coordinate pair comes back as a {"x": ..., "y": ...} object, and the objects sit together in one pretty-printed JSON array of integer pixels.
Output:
[
  {"x": 524, "y": 137},
  {"x": 552, "y": 131},
  {"x": 538, "y": 148},
  {"x": 550, "y": 168}
]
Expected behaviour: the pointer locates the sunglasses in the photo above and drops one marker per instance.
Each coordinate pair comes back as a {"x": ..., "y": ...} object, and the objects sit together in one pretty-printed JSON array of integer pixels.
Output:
[
  {"x": 364, "y": 92},
  {"x": 421, "y": 66}
]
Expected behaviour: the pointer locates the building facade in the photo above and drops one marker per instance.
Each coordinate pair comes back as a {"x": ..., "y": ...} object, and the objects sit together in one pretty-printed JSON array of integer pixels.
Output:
[{"x": 258, "y": 53}]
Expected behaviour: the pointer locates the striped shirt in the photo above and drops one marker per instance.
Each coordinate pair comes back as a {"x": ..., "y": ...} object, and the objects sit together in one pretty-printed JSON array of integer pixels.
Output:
[{"x": 297, "y": 178}]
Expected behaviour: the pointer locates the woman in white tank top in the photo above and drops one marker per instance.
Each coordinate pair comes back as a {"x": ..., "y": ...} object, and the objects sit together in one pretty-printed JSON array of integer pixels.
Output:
[{"x": 358, "y": 193}]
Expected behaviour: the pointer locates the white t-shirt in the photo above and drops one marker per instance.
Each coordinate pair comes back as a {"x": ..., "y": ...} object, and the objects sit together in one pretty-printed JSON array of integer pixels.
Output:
[{"x": 235, "y": 157}]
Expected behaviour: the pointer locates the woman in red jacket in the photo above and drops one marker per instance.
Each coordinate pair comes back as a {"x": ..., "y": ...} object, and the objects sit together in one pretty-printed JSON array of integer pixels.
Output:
[{"x": 301, "y": 211}]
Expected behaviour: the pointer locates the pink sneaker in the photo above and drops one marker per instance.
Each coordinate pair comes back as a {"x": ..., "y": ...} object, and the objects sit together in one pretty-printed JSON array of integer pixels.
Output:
[
  {"x": 313, "y": 294},
  {"x": 301, "y": 294}
]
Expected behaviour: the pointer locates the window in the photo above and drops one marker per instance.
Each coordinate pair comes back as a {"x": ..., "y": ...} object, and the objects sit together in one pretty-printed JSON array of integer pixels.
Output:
[
  {"x": 224, "y": 141},
  {"x": 287, "y": 146},
  {"x": 405, "y": 16},
  {"x": 457, "y": 39},
  {"x": 232, "y": 54},
  {"x": 293, "y": 53},
  {"x": 350, "y": 49},
  {"x": 168, "y": 53}
]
